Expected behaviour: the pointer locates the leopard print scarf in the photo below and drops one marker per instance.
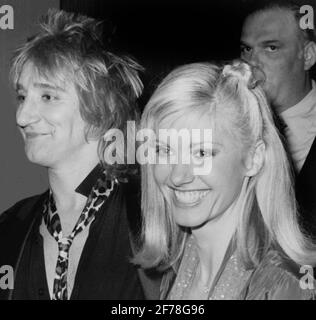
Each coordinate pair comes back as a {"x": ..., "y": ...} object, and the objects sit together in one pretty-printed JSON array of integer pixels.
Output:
[{"x": 97, "y": 197}]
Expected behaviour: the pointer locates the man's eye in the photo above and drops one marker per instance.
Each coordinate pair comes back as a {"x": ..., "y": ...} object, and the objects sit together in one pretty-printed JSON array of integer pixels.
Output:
[
  {"x": 48, "y": 97},
  {"x": 272, "y": 48},
  {"x": 20, "y": 98},
  {"x": 245, "y": 49}
]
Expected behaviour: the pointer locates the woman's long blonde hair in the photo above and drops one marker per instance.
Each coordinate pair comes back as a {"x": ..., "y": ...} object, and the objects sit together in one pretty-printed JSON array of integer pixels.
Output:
[{"x": 268, "y": 208}]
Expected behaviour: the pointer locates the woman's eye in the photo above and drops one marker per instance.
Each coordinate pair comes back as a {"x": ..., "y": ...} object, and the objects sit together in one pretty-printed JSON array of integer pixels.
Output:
[
  {"x": 202, "y": 153},
  {"x": 47, "y": 97},
  {"x": 205, "y": 153},
  {"x": 162, "y": 150}
]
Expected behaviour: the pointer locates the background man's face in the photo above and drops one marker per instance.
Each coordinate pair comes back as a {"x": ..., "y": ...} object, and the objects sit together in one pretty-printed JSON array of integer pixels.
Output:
[
  {"x": 49, "y": 119},
  {"x": 271, "y": 40}
]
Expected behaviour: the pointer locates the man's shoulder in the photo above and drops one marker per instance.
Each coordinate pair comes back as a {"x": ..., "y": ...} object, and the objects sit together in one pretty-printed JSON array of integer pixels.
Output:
[
  {"x": 22, "y": 209},
  {"x": 132, "y": 185},
  {"x": 132, "y": 198}
]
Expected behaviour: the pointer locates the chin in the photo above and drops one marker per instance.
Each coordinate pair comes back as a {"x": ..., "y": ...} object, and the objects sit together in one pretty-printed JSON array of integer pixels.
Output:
[
  {"x": 39, "y": 159},
  {"x": 40, "y": 162},
  {"x": 188, "y": 218}
]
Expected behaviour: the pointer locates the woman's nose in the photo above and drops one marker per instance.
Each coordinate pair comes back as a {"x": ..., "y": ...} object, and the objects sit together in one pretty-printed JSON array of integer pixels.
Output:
[{"x": 181, "y": 174}]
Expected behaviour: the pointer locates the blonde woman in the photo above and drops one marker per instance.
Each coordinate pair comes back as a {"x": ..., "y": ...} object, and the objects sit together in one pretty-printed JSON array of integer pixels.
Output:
[{"x": 231, "y": 232}]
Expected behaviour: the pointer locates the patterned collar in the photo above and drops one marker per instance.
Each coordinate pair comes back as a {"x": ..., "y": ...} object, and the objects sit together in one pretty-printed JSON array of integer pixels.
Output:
[
  {"x": 87, "y": 184},
  {"x": 100, "y": 191}
]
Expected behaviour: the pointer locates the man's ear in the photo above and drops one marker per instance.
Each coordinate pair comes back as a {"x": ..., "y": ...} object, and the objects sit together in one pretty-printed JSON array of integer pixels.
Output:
[
  {"x": 255, "y": 159},
  {"x": 309, "y": 55}
]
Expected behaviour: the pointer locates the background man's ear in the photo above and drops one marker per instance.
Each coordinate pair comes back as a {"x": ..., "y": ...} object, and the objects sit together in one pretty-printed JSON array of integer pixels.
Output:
[
  {"x": 256, "y": 159},
  {"x": 309, "y": 55}
]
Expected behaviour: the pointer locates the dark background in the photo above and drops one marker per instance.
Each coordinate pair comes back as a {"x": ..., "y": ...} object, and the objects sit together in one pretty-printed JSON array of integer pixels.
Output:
[{"x": 163, "y": 34}]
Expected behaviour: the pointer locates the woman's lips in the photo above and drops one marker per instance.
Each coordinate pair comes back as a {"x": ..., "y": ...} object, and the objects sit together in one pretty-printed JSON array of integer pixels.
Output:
[{"x": 190, "y": 197}]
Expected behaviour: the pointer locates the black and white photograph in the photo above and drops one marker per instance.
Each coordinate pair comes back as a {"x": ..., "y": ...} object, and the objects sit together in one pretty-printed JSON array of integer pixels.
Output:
[{"x": 157, "y": 154}]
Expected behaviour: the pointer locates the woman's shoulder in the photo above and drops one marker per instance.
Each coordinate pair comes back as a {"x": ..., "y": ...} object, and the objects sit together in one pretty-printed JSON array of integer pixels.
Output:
[{"x": 278, "y": 278}]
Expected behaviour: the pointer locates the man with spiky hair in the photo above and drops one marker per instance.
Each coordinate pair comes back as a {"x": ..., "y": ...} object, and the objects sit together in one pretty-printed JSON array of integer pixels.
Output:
[
  {"x": 73, "y": 241},
  {"x": 273, "y": 40}
]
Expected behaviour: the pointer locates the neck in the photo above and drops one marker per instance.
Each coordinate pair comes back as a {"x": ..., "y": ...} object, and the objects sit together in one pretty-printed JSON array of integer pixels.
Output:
[
  {"x": 63, "y": 181},
  {"x": 213, "y": 240},
  {"x": 298, "y": 93}
]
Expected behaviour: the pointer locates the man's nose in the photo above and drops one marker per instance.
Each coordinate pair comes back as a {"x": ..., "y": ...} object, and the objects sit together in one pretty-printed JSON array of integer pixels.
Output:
[
  {"x": 27, "y": 113},
  {"x": 181, "y": 174}
]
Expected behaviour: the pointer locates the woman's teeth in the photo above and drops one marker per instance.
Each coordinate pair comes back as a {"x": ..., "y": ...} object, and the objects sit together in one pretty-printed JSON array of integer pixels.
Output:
[{"x": 190, "y": 196}]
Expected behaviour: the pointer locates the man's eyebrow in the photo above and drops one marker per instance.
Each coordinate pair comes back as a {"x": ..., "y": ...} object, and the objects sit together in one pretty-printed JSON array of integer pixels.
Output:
[
  {"x": 267, "y": 42},
  {"x": 263, "y": 43},
  {"x": 45, "y": 85},
  {"x": 42, "y": 85},
  {"x": 244, "y": 43}
]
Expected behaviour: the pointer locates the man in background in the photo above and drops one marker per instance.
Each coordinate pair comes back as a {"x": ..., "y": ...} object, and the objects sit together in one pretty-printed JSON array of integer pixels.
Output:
[{"x": 272, "y": 40}]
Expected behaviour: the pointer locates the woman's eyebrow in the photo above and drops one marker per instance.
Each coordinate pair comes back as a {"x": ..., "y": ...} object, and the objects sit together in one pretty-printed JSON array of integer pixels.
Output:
[{"x": 204, "y": 142}]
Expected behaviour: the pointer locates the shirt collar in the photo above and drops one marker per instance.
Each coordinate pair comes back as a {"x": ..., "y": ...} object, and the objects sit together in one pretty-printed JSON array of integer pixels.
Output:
[
  {"x": 87, "y": 184},
  {"x": 304, "y": 107}
]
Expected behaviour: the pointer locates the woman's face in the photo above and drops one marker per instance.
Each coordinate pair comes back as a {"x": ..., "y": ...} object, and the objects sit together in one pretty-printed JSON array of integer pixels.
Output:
[{"x": 196, "y": 198}]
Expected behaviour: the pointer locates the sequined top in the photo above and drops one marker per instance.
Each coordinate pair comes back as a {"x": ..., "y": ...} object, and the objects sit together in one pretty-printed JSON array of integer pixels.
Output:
[{"x": 274, "y": 279}]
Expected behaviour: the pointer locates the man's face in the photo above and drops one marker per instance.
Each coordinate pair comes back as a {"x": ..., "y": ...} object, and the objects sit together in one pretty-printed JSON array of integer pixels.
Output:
[
  {"x": 271, "y": 40},
  {"x": 49, "y": 119}
]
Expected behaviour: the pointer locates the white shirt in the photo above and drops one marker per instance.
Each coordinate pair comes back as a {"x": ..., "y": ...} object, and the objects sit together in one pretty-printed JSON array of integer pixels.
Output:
[{"x": 301, "y": 127}]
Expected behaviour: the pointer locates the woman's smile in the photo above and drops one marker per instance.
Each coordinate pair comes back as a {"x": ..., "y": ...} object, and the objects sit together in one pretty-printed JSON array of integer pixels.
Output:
[{"x": 189, "y": 197}]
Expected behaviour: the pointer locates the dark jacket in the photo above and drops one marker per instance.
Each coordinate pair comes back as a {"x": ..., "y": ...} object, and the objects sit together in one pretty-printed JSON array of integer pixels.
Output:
[
  {"x": 17, "y": 225},
  {"x": 306, "y": 192}
]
